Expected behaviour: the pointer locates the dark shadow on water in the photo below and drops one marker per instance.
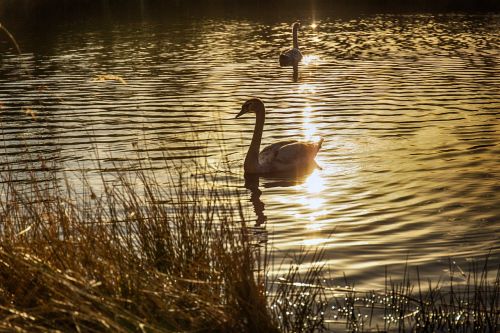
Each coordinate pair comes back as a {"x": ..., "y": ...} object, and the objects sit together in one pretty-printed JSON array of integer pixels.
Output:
[
  {"x": 252, "y": 183},
  {"x": 295, "y": 73},
  {"x": 43, "y": 16}
]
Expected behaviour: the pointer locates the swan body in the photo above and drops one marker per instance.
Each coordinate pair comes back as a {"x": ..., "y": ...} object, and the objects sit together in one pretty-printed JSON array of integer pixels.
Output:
[
  {"x": 283, "y": 157},
  {"x": 293, "y": 56}
]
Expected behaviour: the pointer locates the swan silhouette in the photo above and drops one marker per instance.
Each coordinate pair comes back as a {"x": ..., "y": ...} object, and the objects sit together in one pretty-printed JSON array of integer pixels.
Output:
[
  {"x": 293, "y": 56},
  {"x": 284, "y": 157}
]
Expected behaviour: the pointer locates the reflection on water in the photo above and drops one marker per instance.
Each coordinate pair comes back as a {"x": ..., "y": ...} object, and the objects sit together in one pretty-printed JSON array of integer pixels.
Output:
[
  {"x": 407, "y": 105},
  {"x": 312, "y": 183},
  {"x": 252, "y": 183}
]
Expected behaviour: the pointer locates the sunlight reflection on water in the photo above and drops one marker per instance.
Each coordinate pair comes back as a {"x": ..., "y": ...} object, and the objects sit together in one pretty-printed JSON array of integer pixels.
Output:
[
  {"x": 407, "y": 105},
  {"x": 310, "y": 59},
  {"x": 315, "y": 183},
  {"x": 310, "y": 128}
]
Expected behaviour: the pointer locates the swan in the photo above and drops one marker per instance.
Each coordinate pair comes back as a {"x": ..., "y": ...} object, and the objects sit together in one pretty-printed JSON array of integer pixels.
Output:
[
  {"x": 284, "y": 157},
  {"x": 293, "y": 56}
]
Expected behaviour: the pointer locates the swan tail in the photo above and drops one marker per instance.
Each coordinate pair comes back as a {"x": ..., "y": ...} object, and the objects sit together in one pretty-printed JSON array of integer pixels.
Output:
[{"x": 320, "y": 143}]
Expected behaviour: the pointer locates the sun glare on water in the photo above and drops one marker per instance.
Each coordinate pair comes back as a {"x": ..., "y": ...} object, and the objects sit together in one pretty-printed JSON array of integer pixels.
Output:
[
  {"x": 314, "y": 183},
  {"x": 309, "y": 59},
  {"x": 314, "y": 241},
  {"x": 309, "y": 128},
  {"x": 307, "y": 88}
]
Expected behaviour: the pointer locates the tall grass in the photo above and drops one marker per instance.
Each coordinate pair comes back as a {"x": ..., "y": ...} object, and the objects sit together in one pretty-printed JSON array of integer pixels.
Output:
[
  {"x": 466, "y": 302},
  {"x": 131, "y": 254},
  {"x": 135, "y": 255},
  {"x": 10, "y": 37},
  {"x": 131, "y": 257}
]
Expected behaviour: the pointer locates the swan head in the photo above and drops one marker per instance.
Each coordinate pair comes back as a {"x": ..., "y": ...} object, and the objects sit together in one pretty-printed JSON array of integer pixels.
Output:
[
  {"x": 296, "y": 25},
  {"x": 253, "y": 105}
]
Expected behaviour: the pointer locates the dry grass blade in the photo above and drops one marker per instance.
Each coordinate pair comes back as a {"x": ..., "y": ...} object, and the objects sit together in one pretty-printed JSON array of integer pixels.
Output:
[
  {"x": 468, "y": 306},
  {"x": 11, "y": 38},
  {"x": 134, "y": 258}
]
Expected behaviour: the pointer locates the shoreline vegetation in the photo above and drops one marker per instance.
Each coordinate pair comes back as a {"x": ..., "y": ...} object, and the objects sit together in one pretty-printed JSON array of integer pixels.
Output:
[{"x": 134, "y": 257}]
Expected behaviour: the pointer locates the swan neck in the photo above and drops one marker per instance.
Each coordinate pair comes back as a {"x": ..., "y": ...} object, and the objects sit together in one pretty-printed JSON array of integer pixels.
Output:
[
  {"x": 252, "y": 159},
  {"x": 295, "y": 36}
]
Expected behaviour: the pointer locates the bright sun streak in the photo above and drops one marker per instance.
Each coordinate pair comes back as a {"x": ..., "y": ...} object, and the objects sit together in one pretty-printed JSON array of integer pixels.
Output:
[
  {"x": 309, "y": 128},
  {"x": 310, "y": 59},
  {"x": 307, "y": 88},
  {"x": 315, "y": 183}
]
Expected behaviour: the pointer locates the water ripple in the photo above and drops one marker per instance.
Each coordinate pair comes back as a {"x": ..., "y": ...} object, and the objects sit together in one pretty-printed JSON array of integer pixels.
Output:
[{"x": 408, "y": 106}]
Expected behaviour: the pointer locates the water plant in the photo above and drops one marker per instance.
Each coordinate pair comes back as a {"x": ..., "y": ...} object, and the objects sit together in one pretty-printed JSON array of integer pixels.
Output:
[
  {"x": 130, "y": 256},
  {"x": 466, "y": 302},
  {"x": 10, "y": 37}
]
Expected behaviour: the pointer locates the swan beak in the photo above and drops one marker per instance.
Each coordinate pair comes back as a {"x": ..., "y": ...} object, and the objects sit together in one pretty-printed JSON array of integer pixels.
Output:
[{"x": 242, "y": 112}]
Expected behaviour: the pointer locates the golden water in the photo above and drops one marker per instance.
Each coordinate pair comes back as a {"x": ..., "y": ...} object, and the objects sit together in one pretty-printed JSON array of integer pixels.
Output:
[{"x": 408, "y": 106}]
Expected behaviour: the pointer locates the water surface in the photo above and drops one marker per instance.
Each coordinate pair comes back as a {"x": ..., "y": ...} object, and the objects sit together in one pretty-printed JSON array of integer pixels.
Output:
[{"x": 408, "y": 106}]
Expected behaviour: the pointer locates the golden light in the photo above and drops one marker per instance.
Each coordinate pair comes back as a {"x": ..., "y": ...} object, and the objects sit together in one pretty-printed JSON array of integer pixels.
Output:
[
  {"x": 314, "y": 25},
  {"x": 309, "y": 128},
  {"x": 317, "y": 225},
  {"x": 310, "y": 59},
  {"x": 312, "y": 203},
  {"x": 314, "y": 183},
  {"x": 315, "y": 241},
  {"x": 307, "y": 88}
]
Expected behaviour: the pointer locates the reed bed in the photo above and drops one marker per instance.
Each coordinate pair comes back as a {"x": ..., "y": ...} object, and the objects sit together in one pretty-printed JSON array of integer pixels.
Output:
[
  {"x": 465, "y": 302},
  {"x": 132, "y": 256}
]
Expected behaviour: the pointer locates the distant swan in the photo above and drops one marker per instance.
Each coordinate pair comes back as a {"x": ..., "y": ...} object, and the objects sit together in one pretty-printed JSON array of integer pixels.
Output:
[
  {"x": 279, "y": 158},
  {"x": 293, "y": 56}
]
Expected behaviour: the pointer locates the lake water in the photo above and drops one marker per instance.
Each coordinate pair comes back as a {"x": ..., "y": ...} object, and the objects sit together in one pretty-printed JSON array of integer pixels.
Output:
[{"x": 408, "y": 105}]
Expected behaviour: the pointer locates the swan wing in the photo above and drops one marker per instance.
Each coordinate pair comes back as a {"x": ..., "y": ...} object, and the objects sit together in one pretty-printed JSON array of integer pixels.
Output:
[
  {"x": 289, "y": 155},
  {"x": 290, "y": 57},
  {"x": 297, "y": 152},
  {"x": 293, "y": 53},
  {"x": 296, "y": 54},
  {"x": 269, "y": 154}
]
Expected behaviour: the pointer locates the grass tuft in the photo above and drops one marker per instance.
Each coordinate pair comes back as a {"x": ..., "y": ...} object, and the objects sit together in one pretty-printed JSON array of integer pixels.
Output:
[
  {"x": 128, "y": 255},
  {"x": 467, "y": 302}
]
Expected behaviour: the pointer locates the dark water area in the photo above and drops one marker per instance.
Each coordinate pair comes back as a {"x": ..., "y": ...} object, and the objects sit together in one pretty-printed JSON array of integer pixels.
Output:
[
  {"x": 408, "y": 103},
  {"x": 46, "y": 11}
]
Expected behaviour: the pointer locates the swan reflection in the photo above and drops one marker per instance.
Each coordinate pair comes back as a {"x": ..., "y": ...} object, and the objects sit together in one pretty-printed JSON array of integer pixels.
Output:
[
  {"x": 309, "y": 185},
  {"x": 252, "y": 182},
  {"x": 295, "y": 73}
]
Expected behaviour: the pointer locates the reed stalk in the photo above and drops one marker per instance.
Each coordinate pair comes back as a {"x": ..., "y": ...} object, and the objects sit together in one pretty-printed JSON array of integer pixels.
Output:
[{"x": 130, "y": 255}]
